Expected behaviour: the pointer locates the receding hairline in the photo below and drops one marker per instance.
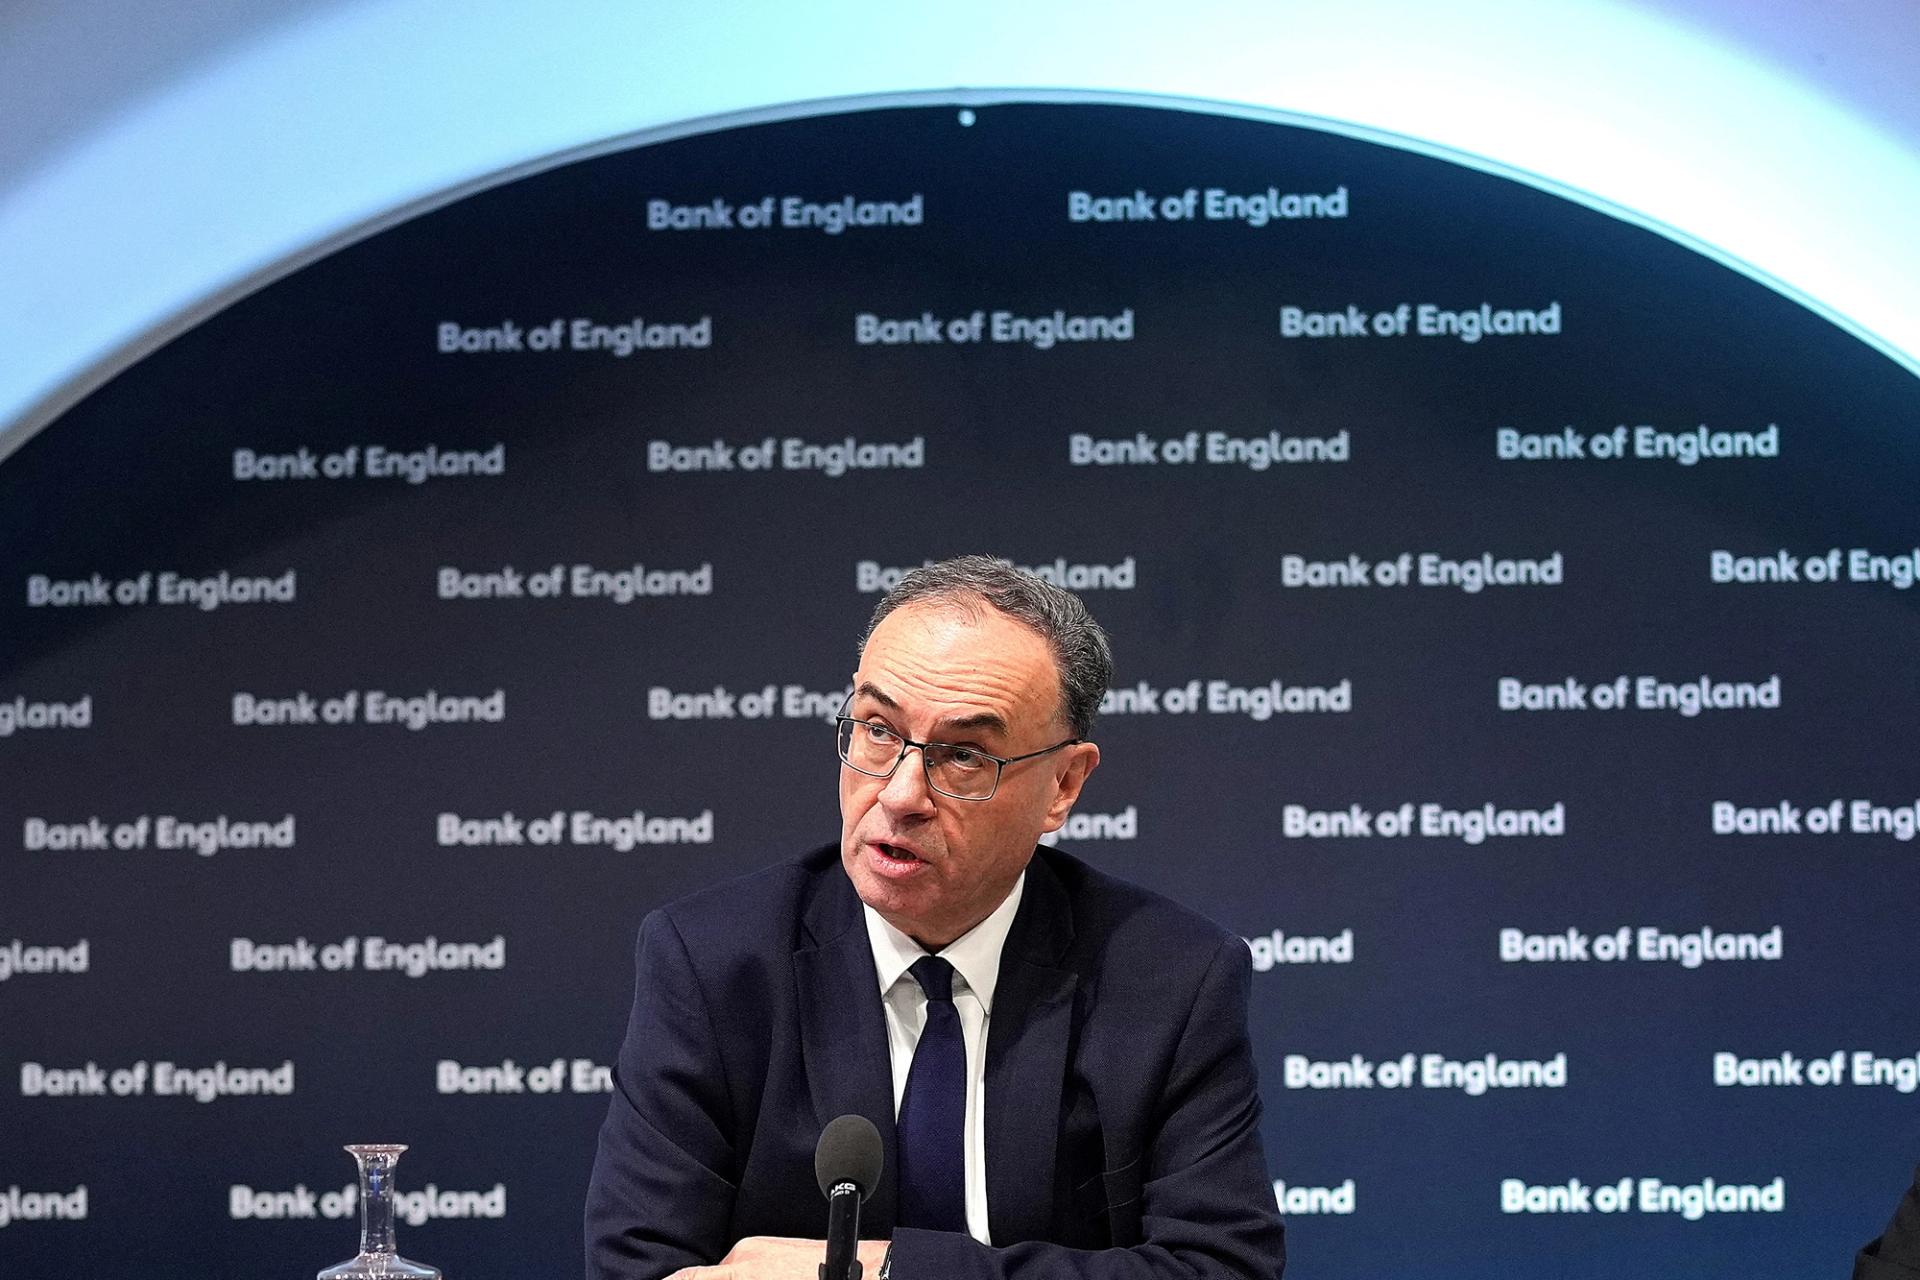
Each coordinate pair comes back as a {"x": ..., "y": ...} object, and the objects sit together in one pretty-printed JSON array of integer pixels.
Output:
[
  {"x": 972, "y": 608},
  {"x": 1082, "y": 658}
]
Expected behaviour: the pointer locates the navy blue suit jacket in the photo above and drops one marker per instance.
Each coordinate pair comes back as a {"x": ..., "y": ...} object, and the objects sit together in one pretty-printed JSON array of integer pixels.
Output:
[
  {"x": 1896, "y": 1254},
  {"x": 1122, "y": 1121}
]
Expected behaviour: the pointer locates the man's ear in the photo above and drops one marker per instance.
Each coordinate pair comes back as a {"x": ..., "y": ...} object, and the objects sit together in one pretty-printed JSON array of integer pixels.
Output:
[{"x": 1082, "y": 758}]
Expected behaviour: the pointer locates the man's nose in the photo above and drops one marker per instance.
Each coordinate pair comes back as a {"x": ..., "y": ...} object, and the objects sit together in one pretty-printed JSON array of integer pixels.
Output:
[{"x": 907, "y": 790}]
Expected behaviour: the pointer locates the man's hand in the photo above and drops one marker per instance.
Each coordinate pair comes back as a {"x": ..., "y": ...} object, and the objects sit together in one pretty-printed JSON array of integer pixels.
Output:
[{"x": 781, "y": 1258}]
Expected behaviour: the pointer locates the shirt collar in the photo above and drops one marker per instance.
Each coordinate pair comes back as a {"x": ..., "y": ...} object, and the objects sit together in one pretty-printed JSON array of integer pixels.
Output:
[{"x": 975, "y": 954}]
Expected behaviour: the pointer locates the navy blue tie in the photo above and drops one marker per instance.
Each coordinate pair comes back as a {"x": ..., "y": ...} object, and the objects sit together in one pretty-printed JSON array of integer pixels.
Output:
[{"x": 933, "y": 1168}]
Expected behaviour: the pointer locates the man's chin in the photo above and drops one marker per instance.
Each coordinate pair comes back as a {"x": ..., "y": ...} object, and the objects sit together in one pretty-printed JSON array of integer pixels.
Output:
[{"x": 896, "y": 897}]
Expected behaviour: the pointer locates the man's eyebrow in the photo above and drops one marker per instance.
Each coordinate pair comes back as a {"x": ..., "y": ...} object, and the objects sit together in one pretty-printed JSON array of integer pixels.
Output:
[
  {"x": 868, "y": 689},
  {"x": 979, "y": 720},
  {"x": 959, "y": 724}
]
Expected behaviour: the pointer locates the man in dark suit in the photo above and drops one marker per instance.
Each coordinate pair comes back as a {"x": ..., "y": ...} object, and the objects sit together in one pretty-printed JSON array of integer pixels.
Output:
[
  {"x": 1057, "y": 1061},
  {"x": 1895, "y": 1253}
]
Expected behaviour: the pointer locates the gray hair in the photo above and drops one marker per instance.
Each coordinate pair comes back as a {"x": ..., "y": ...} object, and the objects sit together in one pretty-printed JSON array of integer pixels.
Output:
[{"x": 1056, "y": 615}]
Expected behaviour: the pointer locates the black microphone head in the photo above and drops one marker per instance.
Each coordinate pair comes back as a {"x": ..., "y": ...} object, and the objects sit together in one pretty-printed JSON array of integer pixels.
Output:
[{"x": 849, "y": 1151}]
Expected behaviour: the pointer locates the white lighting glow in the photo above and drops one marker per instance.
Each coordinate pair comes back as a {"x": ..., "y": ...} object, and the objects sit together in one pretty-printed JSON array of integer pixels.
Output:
[{"x": 283, "y": 145}]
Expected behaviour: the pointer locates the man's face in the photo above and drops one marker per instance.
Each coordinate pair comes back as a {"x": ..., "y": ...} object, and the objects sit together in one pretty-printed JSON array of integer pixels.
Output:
[{"x": 931, "y": 865}]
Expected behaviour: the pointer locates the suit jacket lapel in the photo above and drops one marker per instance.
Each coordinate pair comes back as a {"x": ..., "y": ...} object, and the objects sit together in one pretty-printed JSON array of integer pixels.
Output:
[
  {"x": 1027, "y": 1040},
  {"x": 843, "y": 1031}
]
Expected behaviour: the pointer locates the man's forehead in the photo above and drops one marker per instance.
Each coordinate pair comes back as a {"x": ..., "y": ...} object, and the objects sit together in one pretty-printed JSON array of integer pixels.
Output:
[
  {"x": 971, "y": 660},
  {"x": 952, "y": 719},
  {"x": 960, "y": 631}
]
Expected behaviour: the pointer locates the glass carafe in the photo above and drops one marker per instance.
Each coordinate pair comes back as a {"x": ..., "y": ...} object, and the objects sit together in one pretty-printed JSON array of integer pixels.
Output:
[{"x": 377, "y": 1259}]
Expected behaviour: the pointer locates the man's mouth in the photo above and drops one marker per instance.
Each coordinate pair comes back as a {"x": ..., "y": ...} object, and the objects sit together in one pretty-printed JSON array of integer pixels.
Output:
[{"x": 894, "y": 854}]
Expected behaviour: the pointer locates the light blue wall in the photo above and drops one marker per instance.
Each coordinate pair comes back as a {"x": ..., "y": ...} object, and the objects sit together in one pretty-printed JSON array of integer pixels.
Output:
[{"x": 160, "y": 159}]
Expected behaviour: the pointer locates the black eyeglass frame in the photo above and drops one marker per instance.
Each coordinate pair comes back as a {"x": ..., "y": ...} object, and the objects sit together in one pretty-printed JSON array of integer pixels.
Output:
[{"x": 1000, "y": 763}]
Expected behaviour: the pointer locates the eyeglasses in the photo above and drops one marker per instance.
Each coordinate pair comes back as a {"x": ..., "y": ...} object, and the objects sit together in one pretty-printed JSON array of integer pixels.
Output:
[{"x": 964, "y": 773}]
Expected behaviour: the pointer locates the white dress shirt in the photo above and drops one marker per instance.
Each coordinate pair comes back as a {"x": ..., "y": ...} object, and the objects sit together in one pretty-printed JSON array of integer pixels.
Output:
[{"x": 975, "y": 957}]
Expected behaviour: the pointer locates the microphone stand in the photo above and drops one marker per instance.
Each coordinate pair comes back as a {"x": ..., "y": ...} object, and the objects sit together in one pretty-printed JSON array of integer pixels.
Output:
[{"x": 843, "y": 1233}]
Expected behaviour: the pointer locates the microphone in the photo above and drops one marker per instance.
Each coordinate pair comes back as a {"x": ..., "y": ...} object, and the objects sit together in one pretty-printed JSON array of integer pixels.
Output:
[{"x": 846, "y": 1164}]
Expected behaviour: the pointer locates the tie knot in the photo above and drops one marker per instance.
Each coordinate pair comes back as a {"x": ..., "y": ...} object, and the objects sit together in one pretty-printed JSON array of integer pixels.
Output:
[{"x": 935, "y": 977}]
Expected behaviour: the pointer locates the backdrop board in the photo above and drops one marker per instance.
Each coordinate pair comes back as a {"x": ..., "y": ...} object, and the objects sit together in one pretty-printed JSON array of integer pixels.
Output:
[{"x": 1514, "y": 622}]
